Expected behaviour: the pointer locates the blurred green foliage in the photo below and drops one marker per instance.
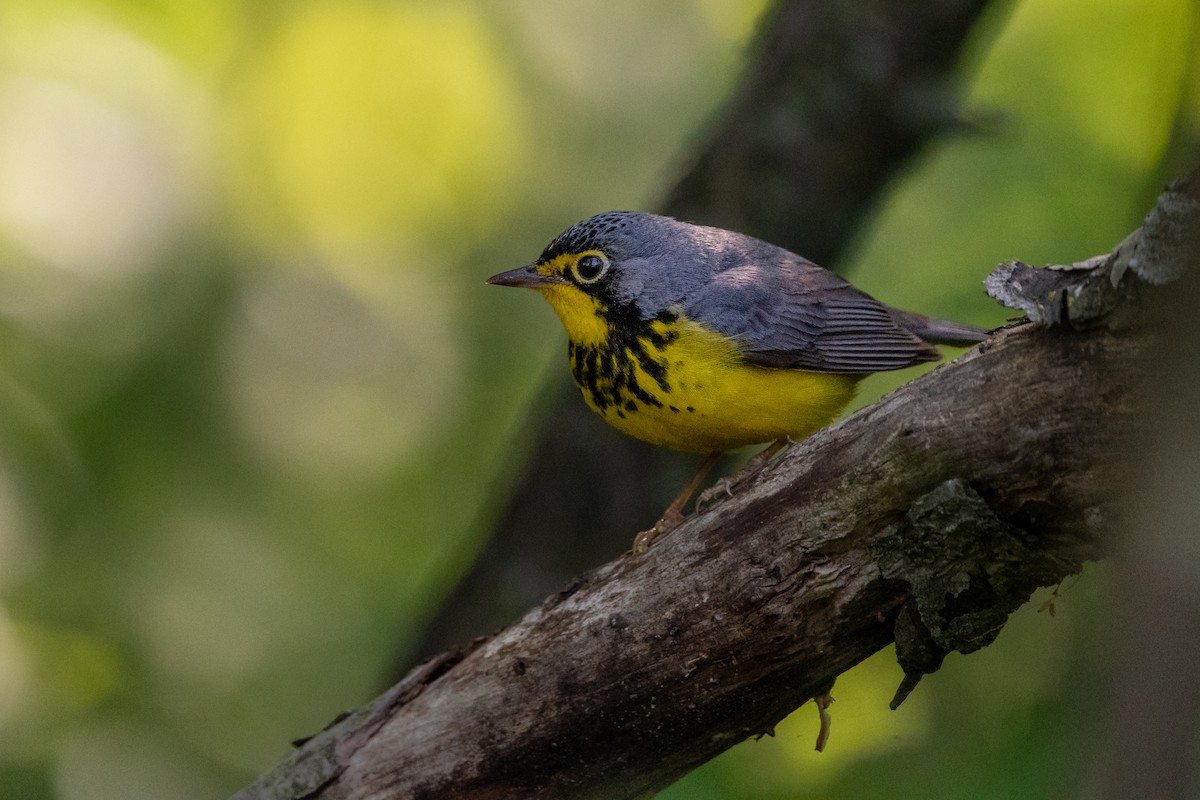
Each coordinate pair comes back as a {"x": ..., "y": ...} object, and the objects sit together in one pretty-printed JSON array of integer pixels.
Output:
[{"x": 257, "y": 408}]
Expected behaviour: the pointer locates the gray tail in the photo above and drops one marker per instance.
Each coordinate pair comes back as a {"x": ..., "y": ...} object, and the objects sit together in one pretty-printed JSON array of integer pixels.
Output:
[{"x": 939, "y": 331}]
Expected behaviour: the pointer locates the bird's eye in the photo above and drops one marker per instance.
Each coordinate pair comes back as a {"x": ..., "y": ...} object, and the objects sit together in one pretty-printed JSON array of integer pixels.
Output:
[{"x": 590, "y": 266}]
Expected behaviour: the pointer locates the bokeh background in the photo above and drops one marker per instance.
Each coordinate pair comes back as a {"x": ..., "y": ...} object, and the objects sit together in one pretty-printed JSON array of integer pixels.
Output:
[{"x": 258, "y": 411}]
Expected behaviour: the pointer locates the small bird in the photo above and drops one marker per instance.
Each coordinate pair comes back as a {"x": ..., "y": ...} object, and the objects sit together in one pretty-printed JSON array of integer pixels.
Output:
[{"x": 706, "y": 340}]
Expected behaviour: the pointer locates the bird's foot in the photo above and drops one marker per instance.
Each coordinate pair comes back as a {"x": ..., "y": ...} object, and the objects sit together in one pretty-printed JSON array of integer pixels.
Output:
[
  {"x": 674, "y": 513},
  {"x": 671, "y": 519},
  {"x": 724, "y": 486}
]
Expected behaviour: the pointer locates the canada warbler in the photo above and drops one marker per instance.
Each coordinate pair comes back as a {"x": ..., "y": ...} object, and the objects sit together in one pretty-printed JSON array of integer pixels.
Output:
[{"x": 705, "y": 340}]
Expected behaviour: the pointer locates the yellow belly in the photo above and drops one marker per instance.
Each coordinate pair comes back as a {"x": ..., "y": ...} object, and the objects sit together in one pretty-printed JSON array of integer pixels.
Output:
[{"x": 700, "y": 395}]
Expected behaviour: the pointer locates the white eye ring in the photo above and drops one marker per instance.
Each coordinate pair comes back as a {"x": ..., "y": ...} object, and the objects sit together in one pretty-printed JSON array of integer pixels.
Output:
[{"x": 589, "y": 267}]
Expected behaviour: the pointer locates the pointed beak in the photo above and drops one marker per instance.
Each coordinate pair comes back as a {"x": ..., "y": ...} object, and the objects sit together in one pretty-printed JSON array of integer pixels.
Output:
[{"x": 526, "y": 276}]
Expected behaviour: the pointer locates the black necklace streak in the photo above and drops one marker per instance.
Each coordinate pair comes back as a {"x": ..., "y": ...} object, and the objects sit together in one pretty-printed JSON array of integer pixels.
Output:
[{"x": 607, "y": 373}]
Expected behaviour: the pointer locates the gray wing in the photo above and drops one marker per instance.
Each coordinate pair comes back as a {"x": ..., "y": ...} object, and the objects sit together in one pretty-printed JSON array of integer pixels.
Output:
[{"x": 800, "y": 316}]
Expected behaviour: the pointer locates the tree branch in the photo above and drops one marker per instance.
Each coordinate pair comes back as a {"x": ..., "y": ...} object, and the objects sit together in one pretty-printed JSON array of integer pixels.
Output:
[{"x": 925, "y": 519}]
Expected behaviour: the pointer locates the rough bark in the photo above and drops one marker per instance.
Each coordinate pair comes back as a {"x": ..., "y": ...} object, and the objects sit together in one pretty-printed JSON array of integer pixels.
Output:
[{"x": 924, "y": 519}]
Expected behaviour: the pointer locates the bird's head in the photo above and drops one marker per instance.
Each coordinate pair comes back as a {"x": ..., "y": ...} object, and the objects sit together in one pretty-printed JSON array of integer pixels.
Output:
[{"x": 616, "y": 265}]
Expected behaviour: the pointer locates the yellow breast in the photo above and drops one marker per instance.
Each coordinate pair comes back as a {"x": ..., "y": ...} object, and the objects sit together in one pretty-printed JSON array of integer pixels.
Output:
[{"x": 674, "y": 383}]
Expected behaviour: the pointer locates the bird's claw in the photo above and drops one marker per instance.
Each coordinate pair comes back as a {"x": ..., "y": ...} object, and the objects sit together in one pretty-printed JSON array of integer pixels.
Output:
[
  {"x": 670, "y": 520},
  {"x": 723, "y": 486},
  {"x": 726, "y": 485}
]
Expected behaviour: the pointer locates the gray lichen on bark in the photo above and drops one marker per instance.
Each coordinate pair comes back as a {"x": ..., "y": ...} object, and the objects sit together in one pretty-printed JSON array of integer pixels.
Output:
[{"x": 966, "y": 570}]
